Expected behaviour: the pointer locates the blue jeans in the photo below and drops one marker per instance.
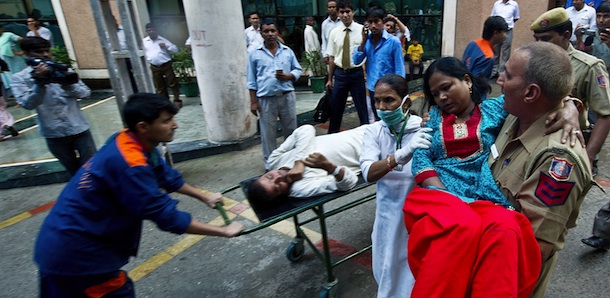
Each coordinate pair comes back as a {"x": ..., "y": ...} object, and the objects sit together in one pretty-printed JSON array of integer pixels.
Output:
[
  {"x": 352, "y": 81},
  {"x": 72, "y": 151}
]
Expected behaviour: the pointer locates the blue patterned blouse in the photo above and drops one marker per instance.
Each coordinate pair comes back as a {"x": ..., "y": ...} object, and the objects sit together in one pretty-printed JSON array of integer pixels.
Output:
[{"x": 458, "y": 154}]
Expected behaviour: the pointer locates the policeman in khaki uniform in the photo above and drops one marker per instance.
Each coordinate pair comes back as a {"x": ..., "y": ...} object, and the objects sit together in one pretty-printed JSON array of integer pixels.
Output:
[
  {"x": 590, "y": 76},
  {"x": 543, "y": 178}
]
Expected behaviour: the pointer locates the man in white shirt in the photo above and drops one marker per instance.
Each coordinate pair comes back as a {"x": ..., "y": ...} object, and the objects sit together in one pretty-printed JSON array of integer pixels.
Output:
[
  {"x": 582, "y": 16},
  {"x": 307, "y": 165},
  {"x": 509, "y": 10},
  {"x": 36, "y": 29},
  {"x": 343, "y": 74},
  {"x": 158, "y": 50},
  {"x": 312, "y": 43},
  {"x": 328, "y": 25},
  {"x": 253, "y": 33}
]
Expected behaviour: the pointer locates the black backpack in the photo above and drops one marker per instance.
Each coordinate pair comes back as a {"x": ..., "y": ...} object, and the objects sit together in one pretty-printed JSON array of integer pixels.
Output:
[{"x": 322, "y": 111}]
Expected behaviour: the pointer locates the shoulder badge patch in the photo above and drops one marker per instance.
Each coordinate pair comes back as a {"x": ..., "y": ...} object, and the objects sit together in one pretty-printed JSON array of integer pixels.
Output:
[
  {"x": 552, "y": 192},
  {"x": 601, "y": 81},
  {"x": 560, "y": 169}
]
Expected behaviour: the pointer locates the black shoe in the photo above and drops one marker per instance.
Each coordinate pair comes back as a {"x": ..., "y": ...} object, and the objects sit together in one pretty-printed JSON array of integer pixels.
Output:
[{"x": 597, "y": 242}]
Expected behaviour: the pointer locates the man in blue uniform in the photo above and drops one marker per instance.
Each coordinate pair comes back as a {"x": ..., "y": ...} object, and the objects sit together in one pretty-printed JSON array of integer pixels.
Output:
[
  {"x": 96, "y": 224},
  {"x": 479, "y": 54}
]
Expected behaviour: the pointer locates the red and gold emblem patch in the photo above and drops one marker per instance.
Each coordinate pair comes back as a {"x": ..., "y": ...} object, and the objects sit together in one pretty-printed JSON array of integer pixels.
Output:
[
  {"x": 601, "y": 81},
  {"x": 560, "y": 169}
]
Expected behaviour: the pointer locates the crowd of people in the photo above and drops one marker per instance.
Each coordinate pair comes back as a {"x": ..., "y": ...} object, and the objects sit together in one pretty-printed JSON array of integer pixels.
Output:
[
  {"x": 474, "y": 196},
  {"x": 483, "y": 183},
  {"x": 13, "y": 61}
]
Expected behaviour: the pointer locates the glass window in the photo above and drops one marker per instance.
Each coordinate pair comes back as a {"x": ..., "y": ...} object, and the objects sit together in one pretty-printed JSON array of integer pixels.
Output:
[
  {"x": 160, "y": 7},
  {"x": 263, "y": 7},
  {"x": 12, "y": 9},
  {"x": 43, "y": 9},
  {"x": 390, "y": 6},
  {"x": 422, "y": 17},
  {"x": 15, "y": 13},
  {"x": 169, "y": 18},
  {"x": 294, "y": 7}
]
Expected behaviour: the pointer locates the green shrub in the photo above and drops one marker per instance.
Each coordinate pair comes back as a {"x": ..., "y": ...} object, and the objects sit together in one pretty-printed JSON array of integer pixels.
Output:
[
  {"x": 60, "y": 54},
  {"x": 183, "y": 65}
]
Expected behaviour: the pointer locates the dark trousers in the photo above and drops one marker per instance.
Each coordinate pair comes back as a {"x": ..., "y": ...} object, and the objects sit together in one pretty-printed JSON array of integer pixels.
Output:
[
  {"x": 163, "y": 78},
  {"x": 352, "y": 81},
  {"x": 372, "y": 102},
  {"x": 72, "y": 151},
  {"x": 412, "y": 67},
  {"x": 601, "y": 224},
  {"x": 116, "y": 284}
]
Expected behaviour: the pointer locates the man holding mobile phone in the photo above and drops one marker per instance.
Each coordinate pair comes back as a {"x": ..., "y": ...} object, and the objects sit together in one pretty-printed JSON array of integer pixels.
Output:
[
  {"x": 36, "y": 29},
  {"x": 598, "y": 44},
  {"x": 382, "y": 51},
  {"x": 271, "y": 72}
]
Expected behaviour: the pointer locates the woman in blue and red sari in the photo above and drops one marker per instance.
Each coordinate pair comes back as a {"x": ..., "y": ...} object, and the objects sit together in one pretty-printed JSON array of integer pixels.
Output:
[{"x": 463, "y": 239}]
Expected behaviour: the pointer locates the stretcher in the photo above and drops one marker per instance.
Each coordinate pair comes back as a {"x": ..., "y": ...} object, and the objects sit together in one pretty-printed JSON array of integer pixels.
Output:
[{"x": 293, "y": 208}]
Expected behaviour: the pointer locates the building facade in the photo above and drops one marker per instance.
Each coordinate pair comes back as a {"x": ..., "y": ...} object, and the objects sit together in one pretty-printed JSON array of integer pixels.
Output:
[{"x": 444, "y": 27}]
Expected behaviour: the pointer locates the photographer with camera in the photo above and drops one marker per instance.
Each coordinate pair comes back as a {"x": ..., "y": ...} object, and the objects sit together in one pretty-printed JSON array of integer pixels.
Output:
[
  {"x": 583, "y": 19},
  {"x": 597, "y": 43},
  {"x": 52, "y": 90}
]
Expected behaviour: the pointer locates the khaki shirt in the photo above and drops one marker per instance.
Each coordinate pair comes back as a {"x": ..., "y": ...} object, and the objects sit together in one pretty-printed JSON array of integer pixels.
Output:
[
  {"x": 590, "y": 84},
  {"x": 544, "y": 179}
]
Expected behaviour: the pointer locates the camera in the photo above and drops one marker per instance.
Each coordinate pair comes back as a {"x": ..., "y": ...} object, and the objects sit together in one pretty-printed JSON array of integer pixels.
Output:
[
  {"x": 590, "y": 32},
  {"x": 58, "y": 72},
  {"x": 581, "y": 31}
]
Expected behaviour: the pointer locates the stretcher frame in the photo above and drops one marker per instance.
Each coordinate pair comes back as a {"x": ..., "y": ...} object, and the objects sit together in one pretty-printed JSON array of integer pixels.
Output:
[{"x": 292, "y": 208}]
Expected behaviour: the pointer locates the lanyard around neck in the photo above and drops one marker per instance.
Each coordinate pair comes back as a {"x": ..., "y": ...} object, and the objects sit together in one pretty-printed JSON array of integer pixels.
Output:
[{"x": 398, "y": 137}]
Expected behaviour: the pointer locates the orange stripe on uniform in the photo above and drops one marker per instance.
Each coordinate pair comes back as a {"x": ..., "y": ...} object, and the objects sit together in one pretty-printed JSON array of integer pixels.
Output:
[
  {"x": 100, "y": 290},
  {"x": 486, "y": 47},
  {"x": 131, "y": 150}
]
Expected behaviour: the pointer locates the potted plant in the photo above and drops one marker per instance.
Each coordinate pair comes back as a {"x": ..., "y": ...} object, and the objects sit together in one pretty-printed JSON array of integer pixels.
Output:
[
  {"x": 314, "y": 63},
  {"x": 184, "y": 68},
  {"x": 60, "y": 54}
]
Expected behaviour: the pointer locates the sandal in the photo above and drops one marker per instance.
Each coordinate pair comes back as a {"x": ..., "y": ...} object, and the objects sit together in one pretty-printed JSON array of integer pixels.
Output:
[{"x": 178, "y": 104}]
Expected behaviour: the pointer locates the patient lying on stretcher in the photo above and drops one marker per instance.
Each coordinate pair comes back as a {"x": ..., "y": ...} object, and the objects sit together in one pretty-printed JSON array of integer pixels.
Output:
[{"x": 307, "y": 165}]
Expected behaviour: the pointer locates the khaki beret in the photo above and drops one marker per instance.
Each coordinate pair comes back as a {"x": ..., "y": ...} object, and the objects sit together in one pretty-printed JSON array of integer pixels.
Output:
[{"x": 550, "y": 20}]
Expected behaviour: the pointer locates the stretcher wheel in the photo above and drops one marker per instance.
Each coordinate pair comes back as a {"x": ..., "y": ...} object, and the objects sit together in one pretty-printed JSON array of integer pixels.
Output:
[
  {"x": 295, "y": 250},
  {"x": 330, "y": 291}
]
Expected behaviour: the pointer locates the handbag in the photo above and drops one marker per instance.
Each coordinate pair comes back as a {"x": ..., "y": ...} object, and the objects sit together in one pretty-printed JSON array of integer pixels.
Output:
[{"x": 322, "y": 112}]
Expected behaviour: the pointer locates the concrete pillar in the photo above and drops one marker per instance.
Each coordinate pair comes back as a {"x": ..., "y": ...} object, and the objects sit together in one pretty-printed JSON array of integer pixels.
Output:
[{"x": 216, "y": 29}]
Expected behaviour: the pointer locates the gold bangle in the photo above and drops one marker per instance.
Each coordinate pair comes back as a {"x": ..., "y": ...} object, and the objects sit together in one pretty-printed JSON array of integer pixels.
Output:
[{"x": 577, "y": 102}]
